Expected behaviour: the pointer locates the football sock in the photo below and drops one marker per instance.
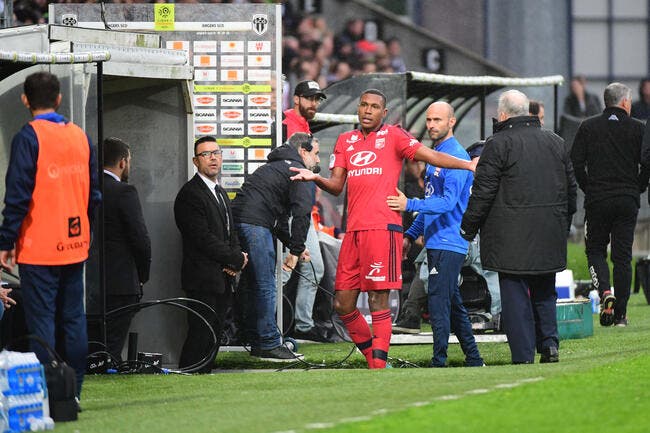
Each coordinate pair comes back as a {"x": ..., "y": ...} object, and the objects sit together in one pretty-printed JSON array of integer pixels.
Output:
[
  {"x": 359, "y": 333},
  {"x": 382, "y": 329}
]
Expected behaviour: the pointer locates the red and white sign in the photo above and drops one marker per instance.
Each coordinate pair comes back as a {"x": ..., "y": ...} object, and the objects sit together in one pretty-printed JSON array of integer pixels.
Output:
[
  {"x": 205, "y": 128},
  {"x": 205, "y": 100},
  {"x": 232, "y": 61},
  {"x": 232, "y": 115},
  {"x": 233, "y": 153},
  {"x": 259, "y": 46},
  {"x": 205, "y": 75},
  {"x": 259, "y": 75},
  {"x": 205, "y": 46},
  {"x": 259, "y": 129},
  {"x": 259, "y": 61},
  {"x": 259, "y": 100}
]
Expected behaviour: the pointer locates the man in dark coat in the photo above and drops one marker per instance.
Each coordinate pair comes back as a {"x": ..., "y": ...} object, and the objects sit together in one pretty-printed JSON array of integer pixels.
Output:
[
  {"x": 211, "y": 253},
  {"x": 127, "y": 245},
  {"x": 612, "y": 171},
  {"x": 523, "y": 197}
]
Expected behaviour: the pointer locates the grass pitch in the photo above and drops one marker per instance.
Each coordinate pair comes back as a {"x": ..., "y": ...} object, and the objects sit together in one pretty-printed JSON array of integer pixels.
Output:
[{"x": 601, "y": 383}]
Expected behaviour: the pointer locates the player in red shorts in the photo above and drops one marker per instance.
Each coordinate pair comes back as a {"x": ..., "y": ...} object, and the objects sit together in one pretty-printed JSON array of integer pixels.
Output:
[{"x": 370, "y": 159}]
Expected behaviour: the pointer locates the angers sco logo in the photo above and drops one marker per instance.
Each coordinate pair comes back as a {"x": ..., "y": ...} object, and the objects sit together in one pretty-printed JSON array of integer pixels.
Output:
[{"x": 74, "y": 227}]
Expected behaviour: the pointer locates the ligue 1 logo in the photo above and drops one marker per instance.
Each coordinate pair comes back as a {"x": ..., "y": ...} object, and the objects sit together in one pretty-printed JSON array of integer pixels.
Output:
[{"x": 260, "y": 23}]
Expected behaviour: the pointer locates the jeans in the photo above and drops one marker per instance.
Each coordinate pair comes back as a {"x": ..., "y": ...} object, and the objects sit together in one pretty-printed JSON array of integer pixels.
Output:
[
  {"x": 53, "y": 301},
  {"x": 306, "y": 291},
  {"x": 446, "y": 309},
  {"x": 258, "y": 242}
]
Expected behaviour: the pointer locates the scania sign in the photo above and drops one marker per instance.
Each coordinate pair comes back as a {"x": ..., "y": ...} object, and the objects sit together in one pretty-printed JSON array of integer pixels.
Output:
[{"x": 363, "y": 158}]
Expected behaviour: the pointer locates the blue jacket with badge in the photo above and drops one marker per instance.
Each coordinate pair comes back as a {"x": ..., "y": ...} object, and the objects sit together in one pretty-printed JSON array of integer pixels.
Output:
[{"x": 446, "y": 196}]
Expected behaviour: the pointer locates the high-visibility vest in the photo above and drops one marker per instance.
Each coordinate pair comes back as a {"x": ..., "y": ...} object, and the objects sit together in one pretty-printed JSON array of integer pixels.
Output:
[{"x": 56, "y": 229}]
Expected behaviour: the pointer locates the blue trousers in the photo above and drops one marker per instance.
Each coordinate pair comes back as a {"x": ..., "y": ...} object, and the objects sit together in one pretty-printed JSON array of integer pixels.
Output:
[
  {"x": 446, "y": 310},
  {"x": 53, "y": 301},
  {"x": 258, "y": 242},
  {"x": 528, "y": 311}
]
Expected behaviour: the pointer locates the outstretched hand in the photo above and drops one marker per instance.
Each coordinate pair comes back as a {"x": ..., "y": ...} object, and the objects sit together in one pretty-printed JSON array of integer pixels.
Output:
[
  {"x": 303, "y": 174},
  {"x": 397, "y": 202}
]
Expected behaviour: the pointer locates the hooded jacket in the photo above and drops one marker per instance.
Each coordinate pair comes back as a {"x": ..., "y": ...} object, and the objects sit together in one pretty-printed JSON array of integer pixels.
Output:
[
  {"x": 523, "y": 197},
  {"x": 269, "y": 197}
]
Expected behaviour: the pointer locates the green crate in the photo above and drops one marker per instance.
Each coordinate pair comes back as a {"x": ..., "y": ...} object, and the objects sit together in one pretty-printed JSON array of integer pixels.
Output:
[{"x": 574, "y": 320}]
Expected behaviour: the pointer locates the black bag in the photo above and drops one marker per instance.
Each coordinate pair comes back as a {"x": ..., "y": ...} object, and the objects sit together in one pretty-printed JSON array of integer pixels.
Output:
[{"x": 61, "y": 385}]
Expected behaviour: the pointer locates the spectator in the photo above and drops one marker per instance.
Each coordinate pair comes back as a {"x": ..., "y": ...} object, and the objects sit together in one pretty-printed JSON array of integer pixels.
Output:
[
  {"x": 127, "y": 245},
  {"x": 371, "y": 159},
  {"x": 46, "y": 226},
  {"x": 580, "y": 103},
  {"x": 395, "y": 54},
  {"x": 438, "y": 220},
  {"x": 211, "y": 254},
  {"x": 522, "y": 200},
  {"x": 641, "y": 108},
  {"x": 536, "y": 108},
  {"x": 261, "y": 210},
  {"x": 612, "y": 170}
]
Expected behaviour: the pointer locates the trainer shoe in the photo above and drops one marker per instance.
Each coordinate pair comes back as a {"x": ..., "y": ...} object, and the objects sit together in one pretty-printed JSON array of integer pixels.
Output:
[
  {"x": 622, "y": 322},
  {"x": 311, "y": 335},
  {"x": 407, "y": 325},
  {"x": 550, "y": 354},
  {"x": 607, "y": 309},
  {"x": 278, "y": 354}
]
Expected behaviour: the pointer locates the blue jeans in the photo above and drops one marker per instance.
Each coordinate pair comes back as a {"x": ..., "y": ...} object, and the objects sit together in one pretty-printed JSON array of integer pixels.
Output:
[
  {"x": 258, "y": 242},
  {"x": 53, "y": 300},
  {"x": 446, "y": 309}
]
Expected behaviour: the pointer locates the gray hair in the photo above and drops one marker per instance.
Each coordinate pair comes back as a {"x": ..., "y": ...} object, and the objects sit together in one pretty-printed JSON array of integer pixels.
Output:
[
  {"x": 300, "y": 139},
  {"x": 513, "y": 103},
  {"x": 615, "y": 93}
]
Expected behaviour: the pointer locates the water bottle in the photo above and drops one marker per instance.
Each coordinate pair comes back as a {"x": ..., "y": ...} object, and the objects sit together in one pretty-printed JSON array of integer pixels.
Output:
[{"x": 595, "y": 301}]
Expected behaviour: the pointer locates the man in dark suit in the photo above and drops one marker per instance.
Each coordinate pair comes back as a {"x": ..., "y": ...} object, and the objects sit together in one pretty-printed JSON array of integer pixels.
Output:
[
  {"x": 127, "y": 244},
  {"x": 211, "y": 252}
]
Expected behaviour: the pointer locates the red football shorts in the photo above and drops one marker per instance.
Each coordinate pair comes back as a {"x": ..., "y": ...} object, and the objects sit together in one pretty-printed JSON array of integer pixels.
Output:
[{"x": 370, "y": 260}]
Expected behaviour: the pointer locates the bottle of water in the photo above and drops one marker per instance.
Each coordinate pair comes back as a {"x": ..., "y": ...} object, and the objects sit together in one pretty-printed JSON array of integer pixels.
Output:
[{"x": 595, "y": 301}]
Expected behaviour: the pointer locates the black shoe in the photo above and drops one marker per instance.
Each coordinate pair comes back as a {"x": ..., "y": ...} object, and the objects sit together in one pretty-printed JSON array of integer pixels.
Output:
[
  {"x": 622, "y": 322},
  {"x": 607, "y": 309},
  {"x": 311, "y": 335},
  {"x": 550, "y": 354},
  {"x": 278, "y": 354},
  {"x": 407, "y": 325}
]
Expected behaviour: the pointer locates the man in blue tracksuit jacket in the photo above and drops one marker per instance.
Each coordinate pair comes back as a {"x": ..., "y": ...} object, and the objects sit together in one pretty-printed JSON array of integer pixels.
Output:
[{"x": 439, "y": 215}]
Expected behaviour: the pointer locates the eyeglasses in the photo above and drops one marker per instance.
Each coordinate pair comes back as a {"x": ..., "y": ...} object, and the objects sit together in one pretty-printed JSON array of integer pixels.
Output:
[{"x": 210, "y": 153}]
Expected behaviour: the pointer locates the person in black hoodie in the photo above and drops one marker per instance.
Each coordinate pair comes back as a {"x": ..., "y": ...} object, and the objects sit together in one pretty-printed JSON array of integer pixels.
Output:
[
  {"x": 612, "y": 171},
  {"x": 261, "y": 211},
  {"x": 523, "y": 197}
]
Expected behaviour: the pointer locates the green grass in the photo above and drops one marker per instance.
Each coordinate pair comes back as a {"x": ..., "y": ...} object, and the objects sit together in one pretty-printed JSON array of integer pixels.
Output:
[{"x": 600, "y": 384}]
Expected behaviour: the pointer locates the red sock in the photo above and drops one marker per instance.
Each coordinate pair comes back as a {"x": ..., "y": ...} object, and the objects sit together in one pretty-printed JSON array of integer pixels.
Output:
[
  {"x": 382, "y": 329},
  {"x": 359, "y": 333}
]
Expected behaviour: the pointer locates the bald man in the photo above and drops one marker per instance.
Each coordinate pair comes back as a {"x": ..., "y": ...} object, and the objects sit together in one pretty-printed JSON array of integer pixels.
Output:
[
  {"x": 523, "y": 197},
  {"x": 439, "y": 215}
]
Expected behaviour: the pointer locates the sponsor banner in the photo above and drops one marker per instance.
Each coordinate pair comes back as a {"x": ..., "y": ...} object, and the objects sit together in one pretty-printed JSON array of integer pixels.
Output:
[
  {"x": 178, "y": 45},
  {"x": 205, "y": 100},
  {"x": 252, "y": 166},
  {"x": 205, "y": 128},
  {"x": 259, "y": 115},
  {"x": 233, "y": 154},
  {"x": 259, "y": 61},
  {"x": 232, "y": 61},
  {"x": 205, "y": 46},
  {"x": 205, "y": 75},
  {"x": 232, "y": 46},
  {"x": 259, "y": 100},
  {"x": 244, "y": 142},
  {"x": 259, "y": 46},
  {"x": 205, "y": 115},
  {"x": 179, "y": 26},
  {"x": 232, "y": 100},
  {"x": 259, "y": 129},
  {"x": 231, "y": 168},
  {"x": 232, "y": 129},
  {"x": 258, "y": 154},
  {"x": 234, "y": 182},
  {"x": 231, "y": 88},
  {"x": 232, "y": 115},
  {"x": 259, "y": 75},
  {"x": 232, "y": 75},
  {"x": 205, "y": 61}
]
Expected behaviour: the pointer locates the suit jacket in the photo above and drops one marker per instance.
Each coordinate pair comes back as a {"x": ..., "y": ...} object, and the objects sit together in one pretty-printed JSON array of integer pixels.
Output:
[
  {"x": 127, "y": 244},
  {"x": 208, "y": 244},
  {"x": 592, "y": 105}
]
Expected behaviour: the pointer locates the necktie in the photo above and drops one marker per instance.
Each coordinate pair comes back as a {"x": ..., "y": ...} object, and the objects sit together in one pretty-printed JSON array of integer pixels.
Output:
[{"x": 222, "y": 203}]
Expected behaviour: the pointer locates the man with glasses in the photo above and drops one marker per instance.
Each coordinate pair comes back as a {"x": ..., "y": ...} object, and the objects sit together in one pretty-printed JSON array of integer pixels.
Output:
[
  {"x": 261, "y": 210},
  {"x": 211, "y": 253}
]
